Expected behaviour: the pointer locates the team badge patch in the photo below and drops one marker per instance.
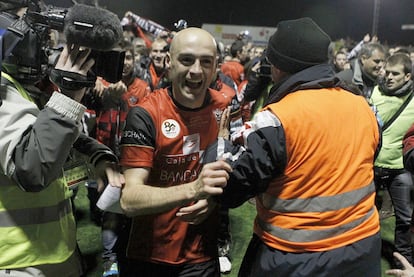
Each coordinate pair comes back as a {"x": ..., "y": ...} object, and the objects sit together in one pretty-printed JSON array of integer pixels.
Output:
[{"x": 170, "y": 128}]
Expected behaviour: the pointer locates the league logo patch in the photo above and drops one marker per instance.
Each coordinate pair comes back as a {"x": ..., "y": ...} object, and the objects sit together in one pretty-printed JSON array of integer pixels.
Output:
[
  {"x": 170, "y": 128},
  {"x": 191, "y": 144}
]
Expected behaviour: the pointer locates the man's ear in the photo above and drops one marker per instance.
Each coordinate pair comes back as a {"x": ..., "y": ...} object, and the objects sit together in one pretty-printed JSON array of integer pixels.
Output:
[
  {"x": 407, "y": 77},
  {"x": 363, "y": 59},
  {"x": 167, "y": 60}
]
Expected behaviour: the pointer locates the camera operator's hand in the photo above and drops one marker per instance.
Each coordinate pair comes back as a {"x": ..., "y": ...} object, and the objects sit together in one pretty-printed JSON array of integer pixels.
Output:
[
  {"x": 99, "y": 88},
  {"x": 110, "y": 173},
  {"x": 75, "y": 60}
]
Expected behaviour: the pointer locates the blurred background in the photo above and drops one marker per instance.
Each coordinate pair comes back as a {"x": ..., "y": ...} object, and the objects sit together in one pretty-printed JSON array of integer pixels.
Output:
[{"x": 390, "y": 20}]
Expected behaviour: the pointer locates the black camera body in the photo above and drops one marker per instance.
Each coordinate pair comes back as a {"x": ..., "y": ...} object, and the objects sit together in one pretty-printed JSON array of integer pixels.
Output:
[
  {"x": 265, "y": 66},
  {"x": 264, "y": 69},
  {"x": 108, "y": 64},
  {"x": 26, "y": 50}
]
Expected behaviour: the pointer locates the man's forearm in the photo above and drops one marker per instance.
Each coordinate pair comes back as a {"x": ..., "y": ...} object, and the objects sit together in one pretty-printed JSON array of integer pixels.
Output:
[
  {"x": 144, "y": 199},
  {"x": 45, "y": 146}
]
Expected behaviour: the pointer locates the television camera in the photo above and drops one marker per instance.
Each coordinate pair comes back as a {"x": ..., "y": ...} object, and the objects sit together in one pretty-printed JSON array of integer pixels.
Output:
[{"x": 25, "y": 40}]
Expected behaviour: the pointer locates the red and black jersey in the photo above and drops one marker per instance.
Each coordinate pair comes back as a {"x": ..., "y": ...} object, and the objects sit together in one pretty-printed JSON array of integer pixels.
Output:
[
  {"x": 234, "y": 70},
  {"x": 170, "y": 139}
]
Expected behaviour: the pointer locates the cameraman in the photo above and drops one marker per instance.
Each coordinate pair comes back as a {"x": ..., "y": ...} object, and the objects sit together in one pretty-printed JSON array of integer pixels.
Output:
[{"x": 37, "y": 226}]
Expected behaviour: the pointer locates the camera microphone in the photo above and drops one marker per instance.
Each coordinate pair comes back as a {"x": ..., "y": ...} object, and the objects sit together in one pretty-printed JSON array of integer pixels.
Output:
[
  {"x": 100, "y": 30},
  {"x": 92, "y": 27}
]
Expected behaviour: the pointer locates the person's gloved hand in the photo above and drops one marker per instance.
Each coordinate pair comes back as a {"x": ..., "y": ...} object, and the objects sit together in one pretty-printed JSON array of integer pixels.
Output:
[{"x": 74, "y": 60}]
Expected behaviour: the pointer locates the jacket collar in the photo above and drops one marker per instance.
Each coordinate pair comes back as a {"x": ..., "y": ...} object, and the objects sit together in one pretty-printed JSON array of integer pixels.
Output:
[{"x": 314, "y": 77}]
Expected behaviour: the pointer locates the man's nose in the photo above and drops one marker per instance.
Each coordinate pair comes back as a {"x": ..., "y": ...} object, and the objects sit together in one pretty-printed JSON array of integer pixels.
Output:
[{"x": 196, "y": 67}]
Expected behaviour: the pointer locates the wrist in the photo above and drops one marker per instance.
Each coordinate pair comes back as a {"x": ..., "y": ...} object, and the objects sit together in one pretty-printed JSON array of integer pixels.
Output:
[
  {"x": 66, "y": 106},
  {"x": 76, "y": 95},
  {"x": 193, "y": 191}
]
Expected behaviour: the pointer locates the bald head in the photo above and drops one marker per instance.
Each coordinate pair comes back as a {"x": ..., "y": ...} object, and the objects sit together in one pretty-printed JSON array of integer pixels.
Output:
[
  {"x": 192, "y": 64},
  {"x": 191, "y": 36}
]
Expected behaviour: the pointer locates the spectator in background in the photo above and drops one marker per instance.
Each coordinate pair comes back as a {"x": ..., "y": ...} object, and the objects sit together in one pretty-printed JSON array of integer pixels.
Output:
[
  {"x": 366, "y": 69},
  {"x": 153, "y": 70},
  {"x": 393, "y": 99},
  {"x": 258, "y": 51},
  {"x": 366, "y": 72},
  {"x": 112, "y": 103},
  {"x": 140, "y": 49},
  {"x": 234, "y": 67},
  {"x": 340, "y": 62},
  {"x": 357, "y": 48},
  {"x": 255, "y": 51}
]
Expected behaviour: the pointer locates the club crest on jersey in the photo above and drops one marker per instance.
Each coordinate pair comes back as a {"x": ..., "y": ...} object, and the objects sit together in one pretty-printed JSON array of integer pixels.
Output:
[
  {"x": 170, "y": 128},
  {"x": 133, "y": 100}
]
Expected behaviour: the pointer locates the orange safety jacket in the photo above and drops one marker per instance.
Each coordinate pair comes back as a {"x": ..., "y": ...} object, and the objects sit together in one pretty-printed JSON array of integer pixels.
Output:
[{"x": 325, "y": 198}]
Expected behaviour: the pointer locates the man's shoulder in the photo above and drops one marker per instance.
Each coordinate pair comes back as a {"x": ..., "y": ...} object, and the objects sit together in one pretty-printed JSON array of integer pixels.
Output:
[
  {"x": 138, "y": 82},
  {"x": 139, "y": 86},
  {"x": 156, "y": 102},
  {"x": 232, "y": 64},
  {"x": 345, "y": 75},
  {"x": 220, "y": 98}
]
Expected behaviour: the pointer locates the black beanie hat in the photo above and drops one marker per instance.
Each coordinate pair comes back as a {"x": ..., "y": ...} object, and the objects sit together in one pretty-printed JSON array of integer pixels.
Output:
[{"x": 298, "y": 44}]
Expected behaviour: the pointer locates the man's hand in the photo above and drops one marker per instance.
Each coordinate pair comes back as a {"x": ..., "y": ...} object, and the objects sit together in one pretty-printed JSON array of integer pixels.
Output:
[
  {"x": 212, "y": 179},
  {"x": 117, "y": 89},
  {"x": 408, "y": 270},
  {"x": 110, "y": 173},
  {"x": 113, "y": 94},
  {"x": 198, "y": 212},
  {"x": 73, "y": 59},
  {"x": 224, "y": 126},
  {"x": 99, "y": 88}
]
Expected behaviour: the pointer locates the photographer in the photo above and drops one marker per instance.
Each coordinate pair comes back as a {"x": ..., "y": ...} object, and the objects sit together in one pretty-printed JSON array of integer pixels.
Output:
[{"x": 37, "y": 226}]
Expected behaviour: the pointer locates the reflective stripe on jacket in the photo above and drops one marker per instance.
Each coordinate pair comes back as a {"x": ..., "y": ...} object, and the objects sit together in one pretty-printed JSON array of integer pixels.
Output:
[
  {"x": 35, "y": 227},
  {"x": 325, "y": 198}
]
